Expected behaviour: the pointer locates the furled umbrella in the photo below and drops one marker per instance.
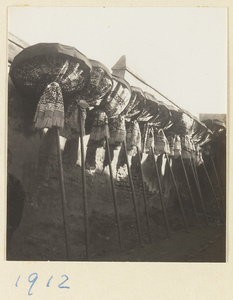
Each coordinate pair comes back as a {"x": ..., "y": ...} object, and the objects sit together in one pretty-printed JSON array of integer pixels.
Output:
[
  {"x": 52, "y": 73},
  {"x": 99, "y": 84},
  {"x": 113, "y": 105},
  {"x": 135, "y": 105}
]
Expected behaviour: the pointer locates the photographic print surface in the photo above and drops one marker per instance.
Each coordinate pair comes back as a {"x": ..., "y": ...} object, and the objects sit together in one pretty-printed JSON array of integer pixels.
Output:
[{"x": 117, "y": 134}]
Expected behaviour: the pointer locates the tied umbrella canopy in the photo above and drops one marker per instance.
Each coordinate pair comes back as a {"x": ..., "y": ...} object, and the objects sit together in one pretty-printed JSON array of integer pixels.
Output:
[
  {"x": 117, "y": 100},
  {"x": 201, "y": 134},
  {"x": 50, "y": 71},
  {"x": 163, "y": 119},
  {"x": 135, "y": 105},
  {"x": 96, "y": 88},
  {"x": 112, "y": 106},
  {"x": 99, "y": 85},
  {"x": 215, "y": 125},
  {"x": 37, "y": 66},
  {"x": 184, "y": 124},
  {"x": 150, "y": 108}
]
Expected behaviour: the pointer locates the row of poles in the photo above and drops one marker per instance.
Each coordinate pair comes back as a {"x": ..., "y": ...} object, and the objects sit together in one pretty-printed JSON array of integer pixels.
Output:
[{"x": 221, "y": 206}]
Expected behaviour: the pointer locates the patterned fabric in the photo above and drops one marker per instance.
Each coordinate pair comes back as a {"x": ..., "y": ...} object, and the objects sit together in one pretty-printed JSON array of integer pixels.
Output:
[
  {"x": 117, "y": 131},
  {"x": 34, "y": 74},
  {"x": 99, "y": 128},
  {"x": 201, "y": 133},
  {"x": 215, "y": 125},
  {"x": 135, "y": 106},
  {"x": 174, "y": 119},
  {"x": 161, "y": 143},
  {"x": 50, "y": 109},
  {"x": 206, "y": 137},
  {"x": 177, "y": 146},
  {"x": 185, "y": 125},
  {"x": 130, "y": 105},
  {"x": 197, "y": 155},
  {"x": 117, "y": 100},
  {"x": 98, "y": 86},
  {"x": 149, "y": 108},
  {"x": 149, "y": 112},
  {"x": 162, "y": 120},
  {"x": 195, "y": 126},
  {"x": 72, "y": 121},
  {"x": 171, "y": 142},
  {"x": 187, "y": 147},
  {"x": 133, "y": 137},
  {"x": 147, "y": 137}
]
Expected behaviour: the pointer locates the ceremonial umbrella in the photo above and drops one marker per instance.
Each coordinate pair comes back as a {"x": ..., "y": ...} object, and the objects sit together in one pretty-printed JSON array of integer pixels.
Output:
[{"x": 53, "y": 73}]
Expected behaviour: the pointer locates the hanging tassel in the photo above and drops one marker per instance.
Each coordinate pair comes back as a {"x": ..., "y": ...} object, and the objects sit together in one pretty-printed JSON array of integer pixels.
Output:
[
  {"x": 117, "y": 131},
  {"x": 50, "y": 109},
  {"x": 198, "y": 159},
  {"x": 171, "y": 142},
  {"x": 186, "y": 151},
  {"x": 133, "y": 138},
  {"x": 177, "y": 146},
  {"x": 99, "y": 129},
  {"x": 161, "y": 144},
  {"x": 149, "y": 139},
  {"x": 72, "y": 124}
]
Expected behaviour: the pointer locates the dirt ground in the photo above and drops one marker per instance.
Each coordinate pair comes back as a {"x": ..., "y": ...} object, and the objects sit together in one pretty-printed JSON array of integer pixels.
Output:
[
  {"x": 40, "y": 236},
  {"x": 43, "y": 241},
  {"x": 206, "y": 244}
]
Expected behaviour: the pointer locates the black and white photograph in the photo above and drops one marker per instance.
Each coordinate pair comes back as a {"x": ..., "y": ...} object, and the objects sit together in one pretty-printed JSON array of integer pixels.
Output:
[{"x": 116, "y": 134}]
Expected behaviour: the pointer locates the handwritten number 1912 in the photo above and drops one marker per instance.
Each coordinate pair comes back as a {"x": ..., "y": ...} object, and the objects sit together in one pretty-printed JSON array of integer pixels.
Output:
[{"x": 32, "y": 278}]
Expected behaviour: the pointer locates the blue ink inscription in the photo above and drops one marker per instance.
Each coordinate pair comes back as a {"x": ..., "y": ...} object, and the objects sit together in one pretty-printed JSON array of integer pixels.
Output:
[
  {"x": 61, "y": 284},
  {"x": 16, "y": 284},
  {"x": 49, "y": 281},
  {"x": 32, "y": 278},
  {"x": 32, "y": 281}
]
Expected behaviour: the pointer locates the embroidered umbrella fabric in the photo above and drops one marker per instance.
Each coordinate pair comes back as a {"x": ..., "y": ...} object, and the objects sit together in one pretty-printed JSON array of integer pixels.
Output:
[{"x": 50, "y": 71}]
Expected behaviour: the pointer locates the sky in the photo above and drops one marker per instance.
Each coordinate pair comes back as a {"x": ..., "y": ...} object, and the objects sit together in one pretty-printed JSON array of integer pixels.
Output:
[{"x": 182, "y": 52}]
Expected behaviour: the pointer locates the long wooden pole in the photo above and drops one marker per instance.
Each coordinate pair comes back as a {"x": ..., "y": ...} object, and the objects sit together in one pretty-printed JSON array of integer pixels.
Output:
[
  {"x": 195, "y": 175},
  {"x": 161, "y": 194},
  {"x": 212, "y": 188},
  {"x": 84, "y": 185},
  {"x": 133, "y": 195},
  {"x": 144, "y": 194},
  {"x": 114, "y": 195},
  {"x": 178, "y": 194},
  {"x": 221, "y": 193},
  {"x": 190, "y": 191},
  {"x": 63, "y": 195}
]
